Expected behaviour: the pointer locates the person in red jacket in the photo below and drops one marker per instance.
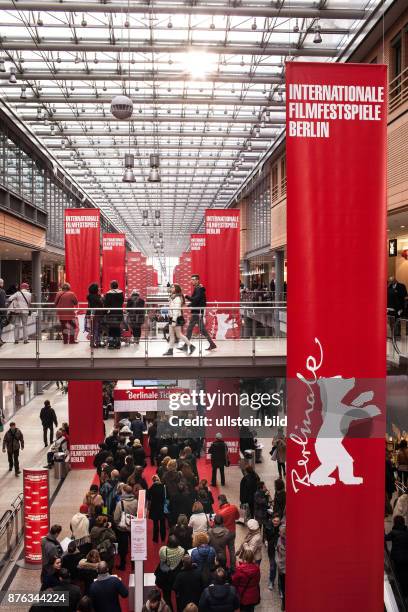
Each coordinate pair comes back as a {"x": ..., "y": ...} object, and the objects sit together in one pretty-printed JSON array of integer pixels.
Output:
[
  {"x": 246, "y": 581},
  {"x": 66, "y": 303},
  {"x": 230, "y": 514}
]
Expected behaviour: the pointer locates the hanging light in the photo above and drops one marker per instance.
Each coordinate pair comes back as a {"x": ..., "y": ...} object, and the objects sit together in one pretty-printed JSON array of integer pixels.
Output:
[
  {"x": 23, "y": 94},
  {"x": 157, "y": 221},
  {"x": 129, "y": 176},
  {"x": 122, "y": 107},
  {"x": 154, "y": 174},
  {"x": 58, "y": 60},
  {"x": 145, "y": 221},
  {"x": 12, "y": 77},
  {"x": 77, "y": 59},
  {"x": 63, "y": 145},
  {"x": 2, "y": 66},
  {"x": 296, "y": 27},
  {"x": 317, "y": 39},
  {"x": 254, "y": 26},
  {"x": 84, "y": 23},
  {"x": 170, "y": 24},
  {"x": 39, "y": 20}
]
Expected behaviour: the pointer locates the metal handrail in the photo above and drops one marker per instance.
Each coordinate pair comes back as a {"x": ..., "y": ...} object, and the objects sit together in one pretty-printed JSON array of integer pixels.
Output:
[
  {"x": 11, "y": 530},
  {"x": 393, "y": 581},
  {"x": 398, "y": 90}
]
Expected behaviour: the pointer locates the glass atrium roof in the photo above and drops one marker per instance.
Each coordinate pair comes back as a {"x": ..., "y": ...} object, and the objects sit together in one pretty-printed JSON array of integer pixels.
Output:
[{"x": 207, "y": 84}]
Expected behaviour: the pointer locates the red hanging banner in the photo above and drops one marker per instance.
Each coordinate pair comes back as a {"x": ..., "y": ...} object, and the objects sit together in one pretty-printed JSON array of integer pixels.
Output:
[
  {"x": 197, "y": 248},
  {"x": 85, "y": 418},
  {"x": 336, "y": 365},
  {"x": 222, "y": 271},
  {"x": 36, "y": 512},
  {"x": 136, "y": 273},
  {"x": 82, "y": 249},
  {"x": 113, "y": 260}
]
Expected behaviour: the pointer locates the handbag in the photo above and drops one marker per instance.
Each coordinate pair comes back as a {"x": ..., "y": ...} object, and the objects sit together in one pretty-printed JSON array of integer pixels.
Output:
[
  {"x": 274, "y": 453},
  {"x": 125, "y": 518},
  {"x": 166, "y": 503}
]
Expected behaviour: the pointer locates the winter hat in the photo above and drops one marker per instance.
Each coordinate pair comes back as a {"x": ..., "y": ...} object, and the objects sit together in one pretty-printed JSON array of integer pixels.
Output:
[
  {"x": 253, "y": 525},
  {"x": 83, "y": 509},
  {"x": 126, "y": 430}
]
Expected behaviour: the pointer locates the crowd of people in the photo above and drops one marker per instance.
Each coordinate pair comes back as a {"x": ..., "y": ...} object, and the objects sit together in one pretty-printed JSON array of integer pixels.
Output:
[{"x": 200, "y": 566}]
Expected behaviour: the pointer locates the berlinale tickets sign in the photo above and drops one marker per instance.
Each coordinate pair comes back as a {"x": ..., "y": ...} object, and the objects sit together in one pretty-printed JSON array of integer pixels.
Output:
[{"x": 336, "y": 364}]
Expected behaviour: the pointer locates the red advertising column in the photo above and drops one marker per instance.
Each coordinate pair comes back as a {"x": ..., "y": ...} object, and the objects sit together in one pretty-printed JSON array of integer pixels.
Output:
[
  {"x": 222, "y": 245},
  {"x": 85, "y": 422},
  {"x": 113, "y": 260},
  {"x": 36, "y": 512},
  {"x": 336, "y": 365},
  {"x": 82, "y": 257},
  {"x": 198, "y": 261}
]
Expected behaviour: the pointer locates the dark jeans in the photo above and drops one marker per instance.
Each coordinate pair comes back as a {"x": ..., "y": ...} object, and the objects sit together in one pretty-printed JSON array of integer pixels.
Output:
[
  {"x": 197, "y": 319},
  {"x": 45, "y": 429},
  {"x": 281, "y": 469},
  {"x": 68, "y": 332},
  {"x": 214, "y": 475},
  {"x": 136, "y": 331},
  {"x": 159, "y": 523},
  {"x": 50, "y": 458},
  {"x": 13, "y": 458},
  {"x": 96, "y": 331},
  {"x": 281, "y": 584},
  {"x": 272, "y": 569},
  {"x": 247, "y": 608},
  {"x": 123, "y": 546}
]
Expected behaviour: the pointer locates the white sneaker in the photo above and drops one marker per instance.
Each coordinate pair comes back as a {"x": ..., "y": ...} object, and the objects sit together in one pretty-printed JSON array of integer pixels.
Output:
[{"x": 270, "y": 586}]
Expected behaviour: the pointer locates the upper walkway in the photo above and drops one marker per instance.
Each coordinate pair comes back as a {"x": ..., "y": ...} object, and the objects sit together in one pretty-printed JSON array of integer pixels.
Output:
[{"x": 258, "y": 348}]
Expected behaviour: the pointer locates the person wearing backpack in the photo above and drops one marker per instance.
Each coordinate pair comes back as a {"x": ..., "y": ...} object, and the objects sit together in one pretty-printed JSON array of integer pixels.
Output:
[
  {"x": 203, "y": 556},
  {"x": 219, "y": 596},
  {"x": 103, "y": 539},
  {"x": 125, "y": 509},
  {"x": 169, "y": 566},
  {"x": 109, "y": 492},
  {"x": 19, "y": 308}
]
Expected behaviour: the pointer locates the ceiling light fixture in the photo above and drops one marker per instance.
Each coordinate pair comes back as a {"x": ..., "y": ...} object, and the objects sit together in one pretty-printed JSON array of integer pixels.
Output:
[
  {"x": 317, "y": 39},
  {"x": 157, "y": 221},
  {"x": 23, "y": 94},
  {"x": 296, "y": 27},
  {"x": 145, "y": 221},
  {"x": 2, "y": 66},
  {"x": 83, "y": 22},
  {"x": 154, "y": 174},
  {"x": 12, "y": 77},
  {"x": 254, "y": 26}
]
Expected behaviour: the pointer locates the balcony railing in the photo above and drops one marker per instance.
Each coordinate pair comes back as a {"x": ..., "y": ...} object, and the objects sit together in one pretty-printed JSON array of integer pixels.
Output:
[{"x": 398, "y": 90}]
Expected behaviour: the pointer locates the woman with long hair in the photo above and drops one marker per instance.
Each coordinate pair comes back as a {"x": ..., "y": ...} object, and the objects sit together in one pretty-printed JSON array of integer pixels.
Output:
[{"x": 176, "y": 321}]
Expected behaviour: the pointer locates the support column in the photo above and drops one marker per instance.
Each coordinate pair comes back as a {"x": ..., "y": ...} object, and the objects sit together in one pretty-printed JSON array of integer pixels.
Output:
[
  {"x": 279, "y": 274},
  {"x": 36, "y": 275},
  {"x": 85, "y": 418}
]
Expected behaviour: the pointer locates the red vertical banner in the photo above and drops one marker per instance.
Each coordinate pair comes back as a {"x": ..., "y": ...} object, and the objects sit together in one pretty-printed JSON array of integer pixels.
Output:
[
  {"x": 113, "y": 260},
  {"x": 336, "y": 364},
  {"x": 85, "y": 422},
  {"x": 36, "y": 512},
  {"x": 197, "y": 249},
  {"x": 136, "y": 273},
  {"x": 82, "y": 249},
  {"x": 222, "y": 271}
]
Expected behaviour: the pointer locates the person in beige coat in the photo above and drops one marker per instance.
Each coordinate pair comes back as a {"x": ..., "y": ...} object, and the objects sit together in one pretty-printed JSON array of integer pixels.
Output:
[
  {"x": 253, "y": 541},
  {"x": 125, "y": 509},
  {"x": 80, "y": 523}
]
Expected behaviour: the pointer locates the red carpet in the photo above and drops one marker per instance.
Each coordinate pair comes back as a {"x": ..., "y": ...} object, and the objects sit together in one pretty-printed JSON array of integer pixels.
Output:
[{"x": 204, "y": 470}]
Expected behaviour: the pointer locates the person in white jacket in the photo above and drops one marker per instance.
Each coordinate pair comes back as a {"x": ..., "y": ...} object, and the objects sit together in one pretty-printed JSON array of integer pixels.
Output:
[
  {"x": 19, "y": 307},
  {"x": 176, "y": 321},
  {"x": 80, "y": 523}
]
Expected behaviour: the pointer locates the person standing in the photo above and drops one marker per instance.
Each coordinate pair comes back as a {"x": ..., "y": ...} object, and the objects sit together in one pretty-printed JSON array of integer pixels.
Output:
[
  {"x": 125, "y": 509},
  {"x": 281, "y": 564},
  {"x": 19, "y": 307},
  {"x": 95, "y": 314},
  {"x": 135, "y": 317},
  {"x": 279, "y": 443},
  {"x": 230, "y": 514},
  {"x": 48, "y": 420},
  {"x": 12, "y": 442},
  {"x": 219, "y": 459},
  {"x": 248, "y": 487},
  {"x": 156, "y": 498},
  {"x": 176, "y": 321},
  {"x": 113, "y": 302},
  {"x": 106, "y": 590},
  {"x": 197, "y": 304},
  {"x": 3, "y": 309},
  {"x": 246, "y": 580},
  {"x": 402, "y": 462},
  {"x": 66, "y": 302}
]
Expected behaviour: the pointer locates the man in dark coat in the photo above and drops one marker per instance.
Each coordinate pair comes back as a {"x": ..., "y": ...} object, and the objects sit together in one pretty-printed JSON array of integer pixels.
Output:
[
  {"x": 136, "y": 317},
  {"x": 12, "y": 442},
  {"x": 396, "y": 294},
  {"x": 106, "y": 590},
  {"x": 198, "y": 303},
  {"x": 48, "y": 420},
  {"x": 219, "y": 459}
]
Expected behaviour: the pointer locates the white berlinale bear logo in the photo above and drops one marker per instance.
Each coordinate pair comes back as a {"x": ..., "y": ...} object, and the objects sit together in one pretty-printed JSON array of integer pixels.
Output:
[{"x": 337, "y": 417}]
